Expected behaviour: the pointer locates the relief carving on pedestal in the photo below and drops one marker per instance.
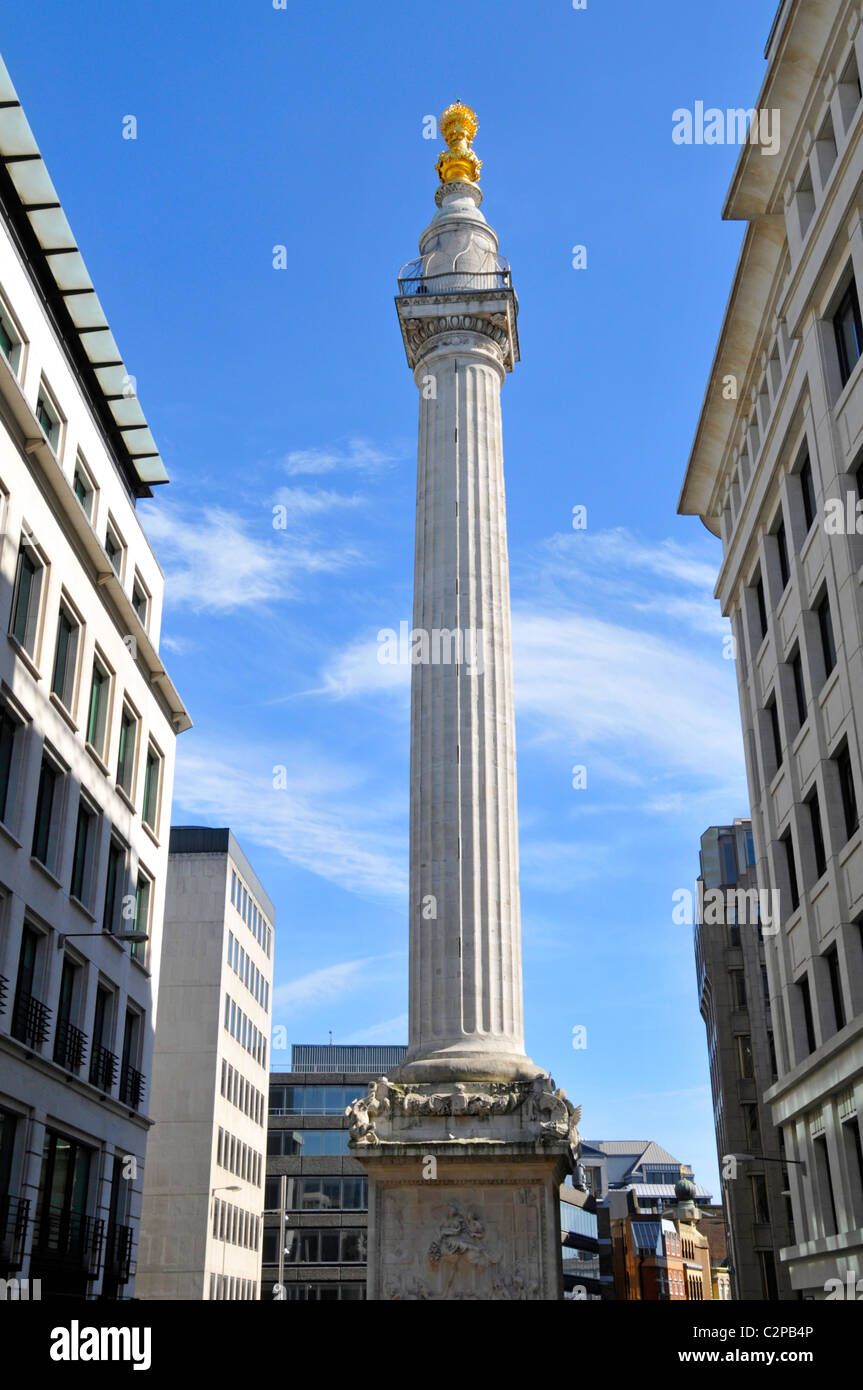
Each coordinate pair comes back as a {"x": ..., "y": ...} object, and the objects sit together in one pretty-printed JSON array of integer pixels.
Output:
[{"x": 547, "y": 1112}]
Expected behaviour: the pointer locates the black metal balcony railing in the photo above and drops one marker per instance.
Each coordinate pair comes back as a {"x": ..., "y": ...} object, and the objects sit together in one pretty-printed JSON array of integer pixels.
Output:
[
  {"x": 103, "y": 1068},
  {"x": 454, "y": 281},
  {"x": 67, "y": 1238},
  {"x": 131, "y": 1087},
  {"x": 30, "y": 1021},
  {"x": 4, "y": 990},
  {"x": 14, "y": 1215},
  {"x": 118, "y": 1260},
  {"x": 70, "y": 1045}
]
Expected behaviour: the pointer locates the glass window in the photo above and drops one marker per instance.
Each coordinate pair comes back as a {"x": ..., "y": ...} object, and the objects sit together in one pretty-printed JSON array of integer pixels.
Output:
[
  {"x": 63, "y": 680},
  {"x": 329, "y": 1247},
  {"x": 142, "y": 916},
  {"x": 10, "y": 341},
  {"x": 80, "y": 859},
  {"x": 25, "y": 602},
  {"x": 8, "y": 730},
  {"x": 97, "y": 718},
  {"x": 49, "y": 420},
  {"x": 113, "y": 886},
  {"x": 335, "y": 1141},
  {"x": 126, "y": 753},
  {"x": 807, "y": 490},
  {"x": 151, "y": 788},
  {"x": 114, "y": 551},
  {"x": 353, "y": 1246},
  {"x": 313, "y": 1100},
  {"x": 842, "y": 761},
  {"x": 140, "y": 601},
  {"x": 84, "y": 490},
  {"x": 799, "y": 687},
  {"x": 828, "y": 643},
  {"x": 848, "y": 331},
  {"x": 48, "y": 779}
]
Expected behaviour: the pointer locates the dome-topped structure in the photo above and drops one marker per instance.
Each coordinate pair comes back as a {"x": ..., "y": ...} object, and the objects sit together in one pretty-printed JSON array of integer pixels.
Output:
[{"x": 685, "y": 1190}]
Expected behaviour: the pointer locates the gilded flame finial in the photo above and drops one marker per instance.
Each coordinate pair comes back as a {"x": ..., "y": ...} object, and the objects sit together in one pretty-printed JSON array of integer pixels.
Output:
[{"x": 459, "y": 125}]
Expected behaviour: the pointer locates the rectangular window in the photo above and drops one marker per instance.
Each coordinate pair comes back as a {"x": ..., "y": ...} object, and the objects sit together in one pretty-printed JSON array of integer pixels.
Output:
[
  {"x": 49, "y": 776},
  {"x": 65, "y": 656},
  {"x": 10, "y": 339},
  {"x": 143, "y": 893},
  {"x": 126, "y": 754},
  {"x": 113, "y": 886},
  {"x": 114, "y": 549},
  {"x": 808, "y": 1018},
  {"x": 791, "y": 866},
  {"x": 759, "y": 1198},
  {"x": 782, "y": 547},
  {"x": 848, "y": 331},
  {"x": 25, "y": 600},
  {"x": 140, "y": 600},
  {"x": 817, "y": 834},
  {"x": 807, "y": 491},
  {"x": 832, "y": 959},
  {"x": 48, "y": 417},
  {"x": 151, "y": 788},
  {"x": 8, "y": 730},
  {"x": 796, "y": 664},
  {"x": 825, "y": 627},
  {"x": 84, "y": 831},
  {"x": 774, "y": 729},
  {"x": 97, "y": 715},
  {"x": 84, "y": 488},
  {"x": 762, "y": 607},
  {"x": 738, "y": 989},
  {"x": 842, "y": 759}
]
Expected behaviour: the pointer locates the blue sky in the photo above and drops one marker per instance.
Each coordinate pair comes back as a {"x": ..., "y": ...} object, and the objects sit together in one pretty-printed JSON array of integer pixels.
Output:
[{"x": 303, "y": 127}]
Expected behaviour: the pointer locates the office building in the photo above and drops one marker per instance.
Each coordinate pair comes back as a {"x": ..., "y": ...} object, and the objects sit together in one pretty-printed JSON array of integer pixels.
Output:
[
  {"x": 326, "y": 1189},
  {"x": 776, "y": 472},
  {"x": 204, "y": 1182},
  {"x": 735, "y": 1005},
  {"x": 88, "y": 723}
]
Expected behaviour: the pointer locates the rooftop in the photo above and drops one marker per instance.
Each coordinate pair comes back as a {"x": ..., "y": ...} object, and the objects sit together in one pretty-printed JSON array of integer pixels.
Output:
[{"x": 31, "y": 206}]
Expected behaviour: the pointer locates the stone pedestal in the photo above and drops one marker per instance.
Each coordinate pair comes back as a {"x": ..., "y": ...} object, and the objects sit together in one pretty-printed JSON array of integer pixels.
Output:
[{"x": 463, "y": 1188}]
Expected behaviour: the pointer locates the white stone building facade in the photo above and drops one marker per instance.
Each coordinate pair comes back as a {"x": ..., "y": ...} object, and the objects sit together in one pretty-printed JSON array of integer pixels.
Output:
[
  {"x": 780, "y": 435},
  {"x": 202, "y": 1221},
  {"x": 88, "y": 724}
]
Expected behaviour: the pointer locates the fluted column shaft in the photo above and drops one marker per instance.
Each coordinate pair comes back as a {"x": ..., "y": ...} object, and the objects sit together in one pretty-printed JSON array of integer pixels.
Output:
[{"x": 465, "y": 932}]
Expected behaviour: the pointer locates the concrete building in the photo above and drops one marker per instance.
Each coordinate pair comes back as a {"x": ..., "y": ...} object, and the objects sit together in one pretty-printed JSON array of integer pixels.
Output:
[
  {"x": 467, "y": 1096},
  {"x": 735, "y": 1005},
  {"x": 88, "y": 723},
  {"x": 775, "y": 471},
  {"x": 327, "y": 1189},
  {"x": 204, "y": 1181}
]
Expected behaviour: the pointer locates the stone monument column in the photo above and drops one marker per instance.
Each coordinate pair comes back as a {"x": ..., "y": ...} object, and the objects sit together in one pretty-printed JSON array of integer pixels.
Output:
[{"x": 466, "y": 1144}]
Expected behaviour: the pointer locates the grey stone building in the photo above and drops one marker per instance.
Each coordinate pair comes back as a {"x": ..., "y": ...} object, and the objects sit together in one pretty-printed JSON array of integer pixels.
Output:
[
  {"x": 202, "y": 1215},
  {"x": 735, "y": 1004},
  {"x": 776, "y": 471}
]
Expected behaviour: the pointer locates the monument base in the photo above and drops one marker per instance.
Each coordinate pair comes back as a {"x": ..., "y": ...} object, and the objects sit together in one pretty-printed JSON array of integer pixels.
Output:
[{"x": 464, "y": 1188}]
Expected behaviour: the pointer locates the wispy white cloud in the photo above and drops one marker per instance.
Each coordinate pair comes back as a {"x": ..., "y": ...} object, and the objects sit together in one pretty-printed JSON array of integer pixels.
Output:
[
  {"x": 354, "y": 454},
  {"x": 300, "y": 503},
  {"x": 330, "y": 982},
  {"x": 215, "y": 562},
  {"x": 325, "y": 820},
  {"x": 390, "y": 1030}
]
